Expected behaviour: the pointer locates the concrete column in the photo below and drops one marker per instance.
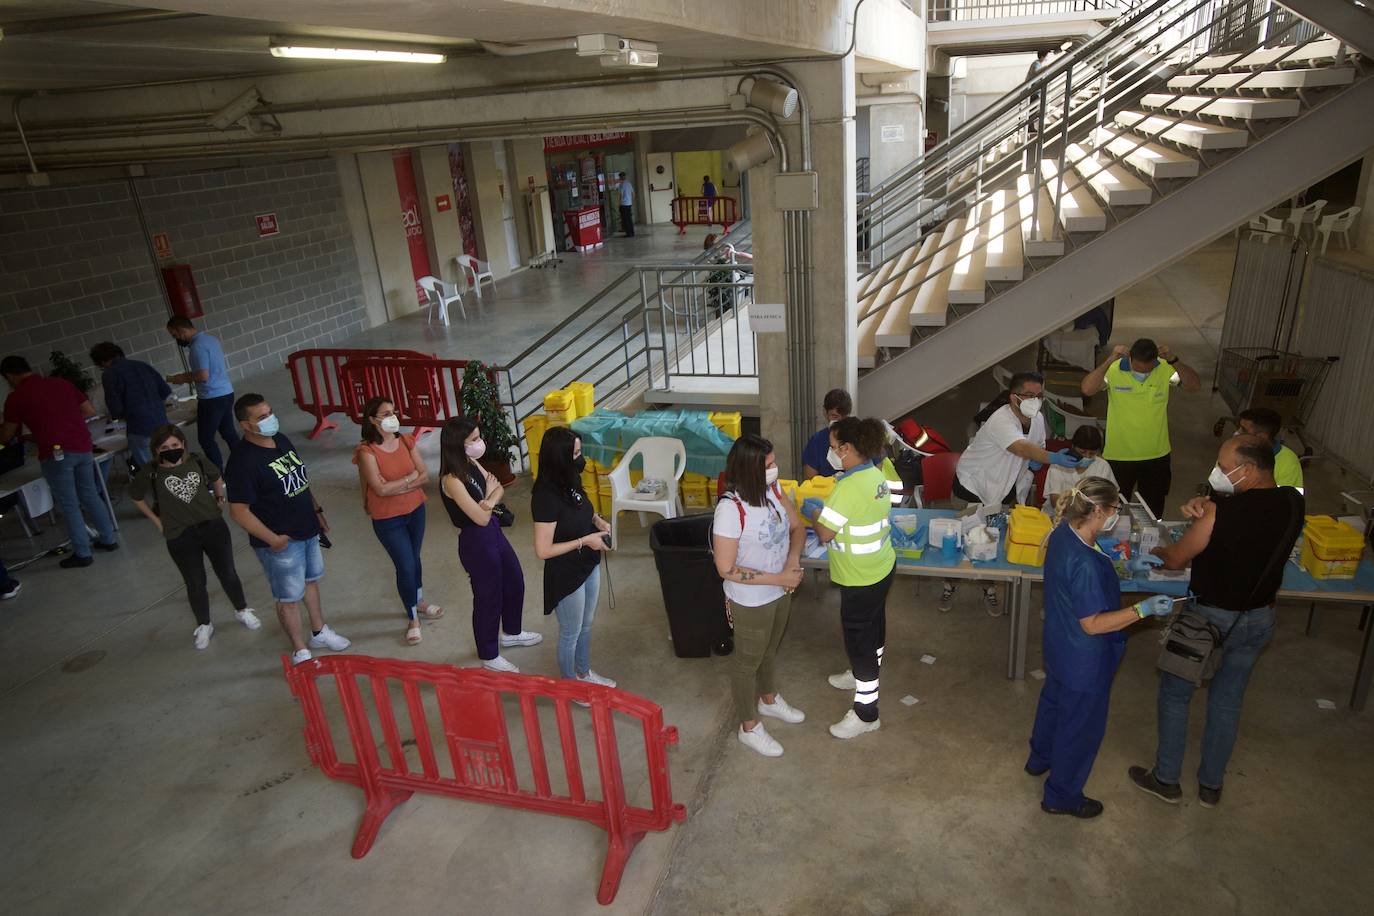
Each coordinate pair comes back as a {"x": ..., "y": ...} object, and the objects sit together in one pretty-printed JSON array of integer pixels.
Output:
[
  {"x": 830, "y": 89},
  {"x": 355, "y": 208},
  {"x": 487, "y": 183},
  {"x": 383, "y": 202},
  {"x": 442, "y": 235},
  {"x": 526, "y": 159},
  {"x": 895, "y": 129},
  {"x": 1362, "y": 233}
]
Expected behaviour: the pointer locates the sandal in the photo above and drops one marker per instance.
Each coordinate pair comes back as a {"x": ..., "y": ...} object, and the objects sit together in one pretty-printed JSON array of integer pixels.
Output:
[
  {"x": 431, "y": 611},
  {"x": 413, "y": 636}
]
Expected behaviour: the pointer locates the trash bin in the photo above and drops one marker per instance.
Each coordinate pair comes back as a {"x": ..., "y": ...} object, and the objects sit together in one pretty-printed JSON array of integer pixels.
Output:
[{"x": 692, "y": 594}]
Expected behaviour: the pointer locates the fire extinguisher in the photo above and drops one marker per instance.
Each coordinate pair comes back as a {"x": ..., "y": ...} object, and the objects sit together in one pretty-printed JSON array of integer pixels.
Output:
[{"x": 181, "y": 291}]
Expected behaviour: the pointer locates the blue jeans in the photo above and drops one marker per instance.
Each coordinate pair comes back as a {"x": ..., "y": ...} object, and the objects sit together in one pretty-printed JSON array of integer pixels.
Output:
[
  {"x": 72, "y": 481},
  {"x": 289, "y": 569},
  {"x": 140, "y": 449},
  {"x": 401, "y": 537},
  {"x": 575, "y": 615},
  {"x": 1246, "y": 634},
  {"x": 216, "y": 415}
]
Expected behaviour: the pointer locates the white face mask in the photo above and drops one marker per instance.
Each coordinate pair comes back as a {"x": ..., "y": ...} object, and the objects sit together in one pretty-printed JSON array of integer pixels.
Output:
[
  {"x": 770, "y": 475},
  {"x": 1030, "y": 407},
  {"x": 390, "y": 424},
  {"x": 834, "y": 459},
  {"x": 1111, "y": 521},
  {"x": 1220, "y": 481}
]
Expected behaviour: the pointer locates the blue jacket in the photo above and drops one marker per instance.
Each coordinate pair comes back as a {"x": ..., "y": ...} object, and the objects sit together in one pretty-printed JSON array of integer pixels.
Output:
[
  {"x": 814, "y": 454},
  {"x": 1079, "y": 581},
  {"x": 135, "y": 393}
]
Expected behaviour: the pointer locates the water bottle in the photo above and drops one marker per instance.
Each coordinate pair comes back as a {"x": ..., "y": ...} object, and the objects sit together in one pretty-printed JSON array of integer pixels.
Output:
[{"x": 57, "y": 453}]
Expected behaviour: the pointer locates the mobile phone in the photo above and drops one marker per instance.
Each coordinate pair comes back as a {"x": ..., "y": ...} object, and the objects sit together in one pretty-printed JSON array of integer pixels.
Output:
[
  {"x": 1075, "y": 454},
  {"x": 606, "y": 539},
  {"x": 325, "y": 542}
]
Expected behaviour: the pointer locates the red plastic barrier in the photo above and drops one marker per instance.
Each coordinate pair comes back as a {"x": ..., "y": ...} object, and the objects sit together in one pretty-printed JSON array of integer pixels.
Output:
[
  {"x": 477, "y": 742},
  {"x": 704, "y": 211},
  {"x": 425, "y": 390},
  {"x": 321, "y": 388}
]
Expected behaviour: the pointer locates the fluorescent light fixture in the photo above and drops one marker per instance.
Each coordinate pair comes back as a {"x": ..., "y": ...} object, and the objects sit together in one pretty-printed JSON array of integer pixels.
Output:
[{"x": 374, "y": 55}]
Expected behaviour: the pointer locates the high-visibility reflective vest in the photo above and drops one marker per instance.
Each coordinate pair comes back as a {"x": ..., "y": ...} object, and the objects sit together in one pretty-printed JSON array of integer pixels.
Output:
[
  {"x": 861, "y": 552},
  {"x": 894, "y": 482}
]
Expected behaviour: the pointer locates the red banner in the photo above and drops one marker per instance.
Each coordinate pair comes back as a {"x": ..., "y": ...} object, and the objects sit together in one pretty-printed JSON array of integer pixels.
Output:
[
  {"x": 565, "y": 142},
  {"x": 467, "y": 226},
  {"x": 410, "y": 219}
]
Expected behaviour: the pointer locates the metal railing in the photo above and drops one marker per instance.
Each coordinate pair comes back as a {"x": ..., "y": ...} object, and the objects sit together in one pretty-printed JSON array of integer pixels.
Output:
[
  {"x": 966, "y": 10},
  {"x": 1038, "y": 121}
]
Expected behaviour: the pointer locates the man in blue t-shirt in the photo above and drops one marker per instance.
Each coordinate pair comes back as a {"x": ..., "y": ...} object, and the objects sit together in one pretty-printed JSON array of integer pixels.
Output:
[
  {"x": 270, "y": 498},
  {"x": 214, "y": 391},
  {"x": 815, "y": 462}
]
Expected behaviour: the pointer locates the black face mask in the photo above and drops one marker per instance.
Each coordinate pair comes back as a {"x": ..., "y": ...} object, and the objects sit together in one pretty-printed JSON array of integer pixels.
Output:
[
  {"x": 580, "y": 463},
  {"x": 183, "y": 343},
  {"x": 171, "y": 455}
]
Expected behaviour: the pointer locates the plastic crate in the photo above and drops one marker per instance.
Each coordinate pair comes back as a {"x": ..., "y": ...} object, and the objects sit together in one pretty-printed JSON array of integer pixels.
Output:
[
  {"x": 584, "y": 397},
  {"x": 1331, "y": 549},
  {"x": 727, "y": 421}
]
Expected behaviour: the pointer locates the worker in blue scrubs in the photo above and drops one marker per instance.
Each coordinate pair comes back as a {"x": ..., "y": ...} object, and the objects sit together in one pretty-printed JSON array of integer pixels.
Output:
[{"x": 1083, "y": 644}]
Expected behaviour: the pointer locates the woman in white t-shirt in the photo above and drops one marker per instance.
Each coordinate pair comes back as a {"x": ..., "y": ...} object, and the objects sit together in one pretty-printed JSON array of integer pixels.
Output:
[{"x": 757, "y": 538}]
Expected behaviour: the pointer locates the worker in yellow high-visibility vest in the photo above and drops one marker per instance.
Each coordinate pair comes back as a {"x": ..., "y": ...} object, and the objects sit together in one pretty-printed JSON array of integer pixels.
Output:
[
  {"x": 1268, "y": 425},
  {"x": 853, "y": 523}
]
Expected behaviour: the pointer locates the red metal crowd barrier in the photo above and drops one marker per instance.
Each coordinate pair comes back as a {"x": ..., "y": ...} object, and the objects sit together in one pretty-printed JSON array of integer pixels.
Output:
[
  {"x": 478, "y": 745},
  {"x": 704, "y": 211},
  {"x": 321, "y": 388},
  {"x": 425, "y": 390}
]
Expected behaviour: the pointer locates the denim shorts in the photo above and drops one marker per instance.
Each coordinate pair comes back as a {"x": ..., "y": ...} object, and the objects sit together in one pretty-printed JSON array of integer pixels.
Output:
[{"x": 288, "y": 570}]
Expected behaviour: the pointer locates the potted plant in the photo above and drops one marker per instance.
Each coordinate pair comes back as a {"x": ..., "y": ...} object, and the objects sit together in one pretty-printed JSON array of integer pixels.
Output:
[
  {"x": 480, "y": 398},
  {"x": 69, "y": 369}
]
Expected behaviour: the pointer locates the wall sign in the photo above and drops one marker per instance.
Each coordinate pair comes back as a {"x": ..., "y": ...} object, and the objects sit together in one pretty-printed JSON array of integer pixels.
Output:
[
  {"x": 267, "y": 224},
  {"x": 893, "y": 133},
  {"x": 566, "y": 142},
  {"x": 767, "y": 317},
  {"x": 443, "y": 203},
  {"x": 162, "y": 245}
]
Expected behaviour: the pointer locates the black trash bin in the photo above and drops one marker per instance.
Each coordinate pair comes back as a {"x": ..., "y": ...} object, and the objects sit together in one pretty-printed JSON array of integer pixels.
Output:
[{"x": 692, "y": 592}]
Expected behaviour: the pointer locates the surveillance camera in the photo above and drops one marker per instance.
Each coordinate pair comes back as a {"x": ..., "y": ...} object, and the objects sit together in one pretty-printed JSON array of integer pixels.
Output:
[{"x": 236, "y": 110}]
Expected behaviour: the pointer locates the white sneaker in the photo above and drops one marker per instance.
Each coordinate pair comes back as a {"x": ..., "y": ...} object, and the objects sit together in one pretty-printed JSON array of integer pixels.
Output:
[
  {"x": 781, "y": 709},
  {"x": 946, "y": 598},
  {"x": 591, "y": 677},
  {"x": 523, "y": 638},
  {"x": 842, "y": 681},
  {"x": 300, "y": 655},
  {"x": 328, "y": 639},
  {"x": 499, "y": 663},
  {"x": 203, "y": 634},
  {"x": 990, "y": 602},
  {"x": 851, "y": 726},
  {"x": 248, "y": 618},
  {"x": 759, "y": 740}
]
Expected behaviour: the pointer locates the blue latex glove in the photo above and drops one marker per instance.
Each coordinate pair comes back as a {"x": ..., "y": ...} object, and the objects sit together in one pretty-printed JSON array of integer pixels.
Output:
[
  {"x": 1155, "y": 605},
  {"x": 811, "y": 507},
  {"x": 1034, "y": 465},
  {"x": 1065, "y": 460},
  {"x": 1143, "y": 564}
]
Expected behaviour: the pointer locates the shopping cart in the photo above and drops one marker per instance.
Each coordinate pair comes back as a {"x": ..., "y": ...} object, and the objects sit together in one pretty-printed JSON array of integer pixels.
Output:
[{"x": 1261, "y": 377}]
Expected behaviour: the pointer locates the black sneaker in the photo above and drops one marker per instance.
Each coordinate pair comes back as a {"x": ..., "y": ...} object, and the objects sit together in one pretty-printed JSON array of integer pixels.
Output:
[
  {"x": 113, "y": 545},
  {"x": 1090, "y": 807},
  {"x": 1207, "y": 797},
  {"x": 1034, "y": 771},
  {"x": 75, "y": 562},
  {"x": 1146, "y": 782}
]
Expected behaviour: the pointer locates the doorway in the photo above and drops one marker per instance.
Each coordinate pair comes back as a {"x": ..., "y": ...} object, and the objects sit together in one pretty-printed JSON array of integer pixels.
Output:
[
  {"x": 661, "y": 187},
  {"x": 503, "y": 173}
]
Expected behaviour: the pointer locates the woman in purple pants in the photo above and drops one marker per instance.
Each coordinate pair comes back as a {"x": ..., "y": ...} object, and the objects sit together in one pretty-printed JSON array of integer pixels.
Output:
[{"x": 470, "y": 493}]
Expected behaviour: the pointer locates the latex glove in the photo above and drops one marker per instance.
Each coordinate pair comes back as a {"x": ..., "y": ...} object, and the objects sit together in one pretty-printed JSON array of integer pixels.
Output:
[
  {"x": 1155, "y": 605},
  {"x": 1034, "y": 465},
  {"x": 1064, "y": 459},
  {"x": 1142, "y": 564},
  {"x": 811, "y": 507}
]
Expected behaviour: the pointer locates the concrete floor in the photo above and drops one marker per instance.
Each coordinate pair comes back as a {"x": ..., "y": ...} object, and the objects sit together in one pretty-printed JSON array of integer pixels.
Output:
[{"x": 141, "y": 776}]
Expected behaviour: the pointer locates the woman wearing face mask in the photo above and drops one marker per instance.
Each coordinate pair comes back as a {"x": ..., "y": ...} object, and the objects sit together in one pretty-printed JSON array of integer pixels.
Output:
[
  {"x": 1083, "y": 644},
  {"x": 470, "y": 495},
  {"x": 853, "y": 522},
  {"x": 1087, "y": 441},
  {"x": 757, "y": 539},
  {"x": 393, "y": 476},
  {"x": 186, "y": 492},
  {"x": 569, "y": 537}
]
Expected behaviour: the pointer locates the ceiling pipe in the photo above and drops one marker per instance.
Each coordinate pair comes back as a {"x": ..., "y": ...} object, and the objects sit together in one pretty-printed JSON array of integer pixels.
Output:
[
  {"x": 89, "y": 21},
  {"x": 501, "y": 49}
]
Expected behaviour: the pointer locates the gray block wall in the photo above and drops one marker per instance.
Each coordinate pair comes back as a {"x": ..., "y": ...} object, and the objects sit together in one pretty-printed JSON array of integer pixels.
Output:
[{"x": 75, "y": 268}]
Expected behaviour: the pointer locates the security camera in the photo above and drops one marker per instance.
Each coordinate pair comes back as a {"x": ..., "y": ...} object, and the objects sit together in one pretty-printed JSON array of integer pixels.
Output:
[{"x": 236, "y": 110}]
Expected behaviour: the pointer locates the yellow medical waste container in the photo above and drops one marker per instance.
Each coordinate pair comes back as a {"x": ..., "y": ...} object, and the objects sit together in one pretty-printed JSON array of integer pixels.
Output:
[
  {"x": 727, "y": 421},
  {"x": 1330, "y": 549},
  {"x": 584, "y": 397},
  {"x": 560, "y": 407},
  {"x": 1028, "y": 532}
]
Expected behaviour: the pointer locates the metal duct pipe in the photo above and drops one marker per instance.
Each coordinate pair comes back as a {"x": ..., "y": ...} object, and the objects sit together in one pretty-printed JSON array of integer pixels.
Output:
[
  {"x": 90, "y": 21},
  {"x": 19, "y": 126},
  {"x": 501, "y": 49}
]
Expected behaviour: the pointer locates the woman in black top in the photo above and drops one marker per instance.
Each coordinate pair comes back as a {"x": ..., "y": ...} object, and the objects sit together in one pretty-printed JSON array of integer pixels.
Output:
[
  {"x": 568, "y": 537},
  {"x": 470, "y": 493}
]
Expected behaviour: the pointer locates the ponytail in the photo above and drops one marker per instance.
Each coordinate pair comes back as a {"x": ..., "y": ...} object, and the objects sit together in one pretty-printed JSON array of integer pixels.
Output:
[{"x": 1079, "y": 501}]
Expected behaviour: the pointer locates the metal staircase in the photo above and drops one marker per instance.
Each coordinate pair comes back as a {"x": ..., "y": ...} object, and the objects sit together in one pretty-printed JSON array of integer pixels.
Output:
[{"x": 1159, "y": 134}]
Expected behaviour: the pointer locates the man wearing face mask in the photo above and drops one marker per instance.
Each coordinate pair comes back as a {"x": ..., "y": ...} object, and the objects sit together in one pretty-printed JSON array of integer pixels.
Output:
[
  {"x": 1139, "y": 380},
  {"x": 1237, "y": 546},
  {"x": 995, "y": 469},
  {"x": 214, "y": 392},
  {"x": 270, "y": 498}
]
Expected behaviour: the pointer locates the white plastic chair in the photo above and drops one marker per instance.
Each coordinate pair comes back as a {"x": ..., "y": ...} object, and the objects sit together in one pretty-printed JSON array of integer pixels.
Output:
[
  {"x": 1266, "y": 227},
  {"x": 440, "y": 295},
  {"x": 1339, "y": 223},
  {"x": 476, "y": 271},
  {"x": 1304, "y": 216},
  {"x": 664, "y": 459}
]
